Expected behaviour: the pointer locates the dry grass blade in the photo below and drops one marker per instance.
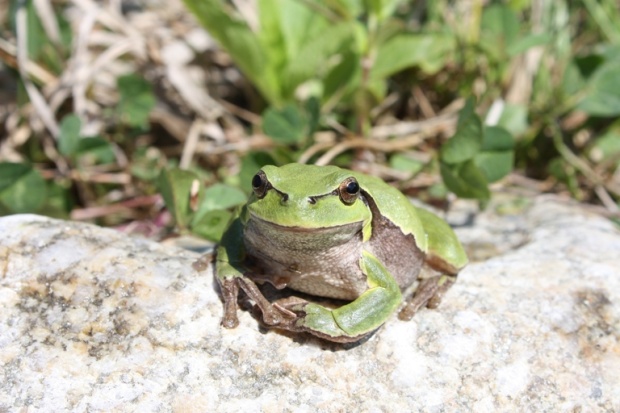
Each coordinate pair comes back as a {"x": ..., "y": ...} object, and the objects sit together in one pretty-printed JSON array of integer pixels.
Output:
[{"x": 38, "y": 101}]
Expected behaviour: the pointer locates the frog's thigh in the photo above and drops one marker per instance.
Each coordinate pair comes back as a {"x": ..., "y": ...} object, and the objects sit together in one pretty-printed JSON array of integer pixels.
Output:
[{"x": 363, "y": 315}]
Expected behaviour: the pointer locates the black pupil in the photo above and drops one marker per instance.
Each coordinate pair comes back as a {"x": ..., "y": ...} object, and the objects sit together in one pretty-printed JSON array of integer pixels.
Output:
[
  {"x": 352, "y": 187},
  {"x": 257, "y": 181}
]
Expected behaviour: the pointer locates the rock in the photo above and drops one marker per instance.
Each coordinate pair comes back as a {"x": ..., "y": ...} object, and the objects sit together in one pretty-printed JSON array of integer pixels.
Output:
[{"x": 92, "y": 320}]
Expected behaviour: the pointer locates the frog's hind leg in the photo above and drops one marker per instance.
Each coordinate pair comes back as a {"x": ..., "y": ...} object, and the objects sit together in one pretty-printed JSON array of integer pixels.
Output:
[
  {"x": 428, "y": 293},
  {"x": 357, "y": 319}
]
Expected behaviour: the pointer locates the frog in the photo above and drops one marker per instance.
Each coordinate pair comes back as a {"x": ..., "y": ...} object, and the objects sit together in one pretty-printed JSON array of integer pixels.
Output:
[{"x": 337, "y": 235}]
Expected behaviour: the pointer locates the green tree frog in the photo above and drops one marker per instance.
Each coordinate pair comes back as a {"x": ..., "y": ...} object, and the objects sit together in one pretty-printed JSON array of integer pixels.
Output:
[{"x": 334, "y": 233}]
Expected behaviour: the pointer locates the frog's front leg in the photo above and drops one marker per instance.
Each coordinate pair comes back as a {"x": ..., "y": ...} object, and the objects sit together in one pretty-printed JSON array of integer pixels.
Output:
[
  {"x": 231, "y": 278},
  {"x": 362, "y": 316}
]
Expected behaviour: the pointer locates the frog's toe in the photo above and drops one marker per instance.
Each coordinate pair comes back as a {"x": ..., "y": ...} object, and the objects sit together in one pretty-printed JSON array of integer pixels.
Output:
[
  {"x": 277, "y": 315},
  {"x": 429, "y": 293}
]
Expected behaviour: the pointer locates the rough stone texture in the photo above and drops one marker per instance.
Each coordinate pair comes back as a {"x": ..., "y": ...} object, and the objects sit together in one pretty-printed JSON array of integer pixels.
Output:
[{"x": 91, "y": 320}]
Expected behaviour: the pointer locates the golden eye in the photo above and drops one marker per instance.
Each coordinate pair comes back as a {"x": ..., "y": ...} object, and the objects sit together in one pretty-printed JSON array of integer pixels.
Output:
[{"x": 349, "y": 191}]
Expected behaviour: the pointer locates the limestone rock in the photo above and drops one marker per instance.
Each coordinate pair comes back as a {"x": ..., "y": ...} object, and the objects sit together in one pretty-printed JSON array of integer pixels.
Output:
[{"x": 92, "y": 320}]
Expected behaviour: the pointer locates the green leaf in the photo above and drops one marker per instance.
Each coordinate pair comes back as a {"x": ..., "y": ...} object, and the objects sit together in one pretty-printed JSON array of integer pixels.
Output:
[
  {"x": 11, "y": 172},
  {"x": 212, "y": 224},
  {"x": 496, "y": 138},
  {"x": 22, "y": 188},
  {"x": 603, "y": 98},
  {"x": 286, "y": 125},
  {"x": 221, "y": 196},
  {"x": 606, "y": 146},
  {"x": 59, "y": 200},
  {"x": 514, "y": 119},
  {"x": 175, "y": 186},
  {"x": 95, "y": 150},
  {"x": 524, "y": 43},
  {"x": 495, "y": 165},
  {"x": 467, "y": 112},
  {"x": 496, "y": 158},
  {"x": 69, "y": 135},
  {"x": 342, "y": 75},
  {"x": 136, "y": 100},
  {"x": 465, "y": 143},
  {"x": 312, "y": 59},
  {"x": 401, "y": 162},
  {"x": 465, "y": 180},
  {"x": 241, "y": 43},
  {"x": 429, "y": 51},
  {"x": 572, "y": 80},
  {"x": 499, "y": 28}
]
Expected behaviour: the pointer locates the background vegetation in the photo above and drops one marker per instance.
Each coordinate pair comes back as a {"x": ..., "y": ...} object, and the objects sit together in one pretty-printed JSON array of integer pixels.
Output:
[{"x": 110, "y": 111}]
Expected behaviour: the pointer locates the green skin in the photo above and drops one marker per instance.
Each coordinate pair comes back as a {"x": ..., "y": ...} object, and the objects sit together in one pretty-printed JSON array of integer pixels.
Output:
[{"x": 334, "y": 233}]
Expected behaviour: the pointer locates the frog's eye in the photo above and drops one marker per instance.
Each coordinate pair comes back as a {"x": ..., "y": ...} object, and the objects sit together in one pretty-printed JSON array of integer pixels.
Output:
[
  {"x": 349, "y": 190},
  {"x": 260, "y": 184}
]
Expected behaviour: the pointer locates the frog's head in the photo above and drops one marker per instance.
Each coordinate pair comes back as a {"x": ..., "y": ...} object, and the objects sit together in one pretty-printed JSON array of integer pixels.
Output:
[{"x": 307, "y": 197}]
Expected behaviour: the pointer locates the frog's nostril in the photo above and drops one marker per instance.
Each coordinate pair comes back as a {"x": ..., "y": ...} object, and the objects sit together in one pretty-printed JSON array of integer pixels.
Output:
[{"x": 312, "y": 200}]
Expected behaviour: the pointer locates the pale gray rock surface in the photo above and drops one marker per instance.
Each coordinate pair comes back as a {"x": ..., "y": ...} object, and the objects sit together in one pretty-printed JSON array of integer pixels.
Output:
[{"x": 92, "y": 320}]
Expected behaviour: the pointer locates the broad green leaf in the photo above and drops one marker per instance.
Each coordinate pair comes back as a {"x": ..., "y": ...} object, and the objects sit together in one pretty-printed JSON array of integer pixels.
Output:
[
  {"x": 499, "y": 28},
  {"x": 606, "y": 146},
  {"x": 286, "y": 125},
  {"x": 402, "y": 162},
  {"x": 497, "y": 138},
  {"x": 296, "y": 23},
  {"x": 465, "y": 180},
  {"x": 496, "y": 157},
  {"x": 467, "y": 112},
  {"x": 11, "y": 172},
  {"x": 572, "y": 80},
  {"x": 524, "y": 43},
  {"x": 212, "y": 224},
  {"x": 312, "y": 59},
  {"x": 402, "y": 51},
  {"x": 136, "y": 100},
  {"x": 94, "y": 150},
  {"x": 270, "y": 33},
  {"x": 22, "y": 188},
  {"x": 514, "y": 119},
  {"x": 175, "y": 186},
  {"x": 59, "y": 200},
  {"x": 603, "y": 98},
  {"x": 495, "y": 165},
  {"x": 342, "y": 75},
  {"x": 69, "y": 138},
  {"x": 241, "y": 43},
  {"x": 221, "y": 196},
  {"x": 465, "y": 143}
]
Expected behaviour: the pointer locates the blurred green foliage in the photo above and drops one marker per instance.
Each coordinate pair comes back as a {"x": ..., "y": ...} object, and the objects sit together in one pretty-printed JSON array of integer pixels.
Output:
[{"x": 553, "y": 68}]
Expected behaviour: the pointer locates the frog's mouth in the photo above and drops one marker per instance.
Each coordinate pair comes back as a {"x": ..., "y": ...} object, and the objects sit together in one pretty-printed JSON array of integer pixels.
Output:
[{"x": 294, "y": 237}]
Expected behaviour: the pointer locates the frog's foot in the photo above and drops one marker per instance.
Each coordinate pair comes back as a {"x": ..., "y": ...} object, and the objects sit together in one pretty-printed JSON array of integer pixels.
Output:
[
  {"x": 283, "y": 313},
  {"x": 273, "y": 314},
  {"x": 429, "y": 294},
  {"x": 314, "y": 319}
]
